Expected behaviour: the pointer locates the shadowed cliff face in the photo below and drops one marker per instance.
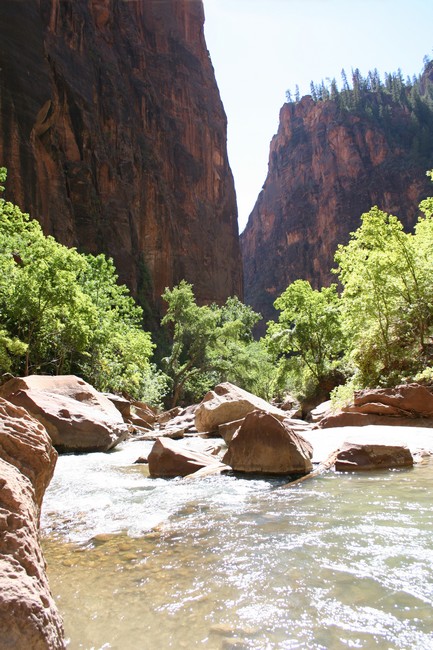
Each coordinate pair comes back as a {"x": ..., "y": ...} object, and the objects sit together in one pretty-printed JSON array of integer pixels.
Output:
[
  {"x": 114, "y": 136},
  {"x": 326, "y": 168}
]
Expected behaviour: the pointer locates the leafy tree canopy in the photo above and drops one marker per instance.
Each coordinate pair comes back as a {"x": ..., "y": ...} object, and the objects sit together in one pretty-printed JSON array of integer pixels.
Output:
[
  {"x": 387, "y": 312},
  {"x": 307, "y": 340},
  {"x": 210, "y": 344},
  {"x": 61, "y": 311}
]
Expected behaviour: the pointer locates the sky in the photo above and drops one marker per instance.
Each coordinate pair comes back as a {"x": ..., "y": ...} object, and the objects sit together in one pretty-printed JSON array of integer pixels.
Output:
[{"x": 261, "y": 48}]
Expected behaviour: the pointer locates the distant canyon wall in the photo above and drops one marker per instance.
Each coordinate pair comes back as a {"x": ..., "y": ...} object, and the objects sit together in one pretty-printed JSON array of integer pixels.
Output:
[
  {"x": 114, "y": 136},
  {"x": 326, "y": 168}
]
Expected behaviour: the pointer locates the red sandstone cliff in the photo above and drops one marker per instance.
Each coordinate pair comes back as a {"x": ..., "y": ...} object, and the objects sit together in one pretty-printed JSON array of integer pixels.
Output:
[
  {"x": 326, "y": 167},
  {"x": 114, "y": 136}
]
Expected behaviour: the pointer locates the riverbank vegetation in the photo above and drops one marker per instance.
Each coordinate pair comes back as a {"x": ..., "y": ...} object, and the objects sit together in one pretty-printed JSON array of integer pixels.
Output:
[{"x": 64, "y": 312}]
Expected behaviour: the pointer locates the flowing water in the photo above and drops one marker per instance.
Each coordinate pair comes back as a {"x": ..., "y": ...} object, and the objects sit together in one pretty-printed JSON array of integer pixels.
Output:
[{"x": 340, "y": 561}]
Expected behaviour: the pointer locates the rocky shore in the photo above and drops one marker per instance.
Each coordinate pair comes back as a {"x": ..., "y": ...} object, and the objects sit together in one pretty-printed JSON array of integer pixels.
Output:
[
  {"x": 229, "y": 431},
  {"x": 28, "y": 615}
]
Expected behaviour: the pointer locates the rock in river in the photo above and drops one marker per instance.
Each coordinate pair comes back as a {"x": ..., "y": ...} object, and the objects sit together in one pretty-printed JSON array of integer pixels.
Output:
[{"x": 263, "y": 444}]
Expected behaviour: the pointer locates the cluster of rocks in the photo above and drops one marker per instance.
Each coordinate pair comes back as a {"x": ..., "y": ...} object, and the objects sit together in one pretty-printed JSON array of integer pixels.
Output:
[
  {"x": 263, "y": 439},
  {"x": 76, "y": 416},
  {"x": 405, "y": 405}
]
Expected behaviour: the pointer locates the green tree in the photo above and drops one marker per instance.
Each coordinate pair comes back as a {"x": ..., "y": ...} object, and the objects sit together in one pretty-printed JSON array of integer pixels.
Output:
[
  {"x": 385, "y": 302},
  {"x": 209, "y": 344},
  {"x": 61, "y": 311},
  {"x": 307, "y": 339}
]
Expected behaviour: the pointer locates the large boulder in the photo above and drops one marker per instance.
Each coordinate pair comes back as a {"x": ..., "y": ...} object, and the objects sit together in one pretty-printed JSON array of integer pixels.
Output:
[
  {"x": 168, "y": 459},
  {"x": 226, "y": 403},
  {"x": 413, "y": 400},
  {"x": 362, "y": 456},
  {"x": 405, "y": 405},
  {"x": 76, "y": 416},
  {"x": 264, "y": 444},
  {"x": 24, "y": 443},
  {"x": 28, "y": 615}
]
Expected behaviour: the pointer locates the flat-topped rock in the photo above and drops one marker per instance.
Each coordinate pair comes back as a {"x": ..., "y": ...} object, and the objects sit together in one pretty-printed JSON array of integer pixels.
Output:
[
  {"x": 326, "y": 441},
  {"x": 76, "y": 416},
  {"x": 366, "y": 456}
]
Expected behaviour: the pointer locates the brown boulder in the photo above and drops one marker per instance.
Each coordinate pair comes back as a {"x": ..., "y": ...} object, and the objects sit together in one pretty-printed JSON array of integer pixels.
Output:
[
  {"x": 266, "y": 445},
  {"x": 178, "y": 421},
  {"x": 25, "y": 444},
  {"x": 168, "y": 459},
  {"x": 76, "y": 416},
  {"x": 122, "y": 404},
  {"x": 227, "y": 403},
  {"x": 412, "y": 400},
  {"x": 405, "y": 405},
  {"x": 363, "y": 456},
  {"x": 28, "y": 614}
]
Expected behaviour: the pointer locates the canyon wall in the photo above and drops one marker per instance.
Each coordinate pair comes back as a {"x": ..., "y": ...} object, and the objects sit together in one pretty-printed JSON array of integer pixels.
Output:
[
  {"x": 326, "y": 168},
  {"x": 114, "y": 136}
]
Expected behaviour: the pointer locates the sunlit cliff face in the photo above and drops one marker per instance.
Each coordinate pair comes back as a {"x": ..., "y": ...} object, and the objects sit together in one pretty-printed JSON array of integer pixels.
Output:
[{"x": 326, "y": 168}]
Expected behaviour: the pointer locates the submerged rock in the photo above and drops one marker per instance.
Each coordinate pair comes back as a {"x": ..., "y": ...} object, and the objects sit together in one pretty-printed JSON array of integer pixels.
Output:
[
  {"x": 29, "y": 618},
  {"x": 76, "y": 416},
  {"x": 263, "y": 444}
]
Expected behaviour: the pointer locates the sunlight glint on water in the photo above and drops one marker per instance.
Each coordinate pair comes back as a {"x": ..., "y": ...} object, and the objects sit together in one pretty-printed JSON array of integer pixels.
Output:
[{"x": 342, "y": 561}]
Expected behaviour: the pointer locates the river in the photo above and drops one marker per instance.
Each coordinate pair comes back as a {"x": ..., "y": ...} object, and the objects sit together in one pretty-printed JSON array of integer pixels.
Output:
[{"x": 339, "y": 561}]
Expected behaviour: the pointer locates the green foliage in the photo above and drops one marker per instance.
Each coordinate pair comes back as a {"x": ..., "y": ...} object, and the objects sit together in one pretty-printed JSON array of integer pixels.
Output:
[
  {"x": 379, "y": 332},
  {"x": 343, "y": 395},
  {"x": 210, "y": 344},
  {"x": 307, "y": 341},
  {"x": 61, "y": 312},
  {"x": 387, "y": 311}
]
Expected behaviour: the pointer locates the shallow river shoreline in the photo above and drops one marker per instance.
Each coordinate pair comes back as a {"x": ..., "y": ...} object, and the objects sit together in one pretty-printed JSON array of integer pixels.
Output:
[{"x": 342, "y": 560}]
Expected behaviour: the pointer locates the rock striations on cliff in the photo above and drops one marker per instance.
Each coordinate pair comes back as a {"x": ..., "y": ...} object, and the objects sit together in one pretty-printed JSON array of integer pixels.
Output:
[
  {"x": 327, "y": 166},
  {"x": 114, "y": 136}
]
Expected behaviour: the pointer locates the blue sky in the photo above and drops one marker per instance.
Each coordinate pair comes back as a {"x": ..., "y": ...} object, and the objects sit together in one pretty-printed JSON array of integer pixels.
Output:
[{"x": 260, "y": 48}]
